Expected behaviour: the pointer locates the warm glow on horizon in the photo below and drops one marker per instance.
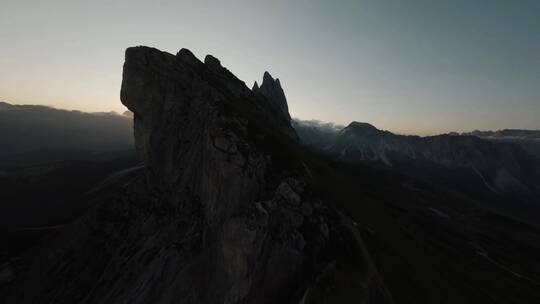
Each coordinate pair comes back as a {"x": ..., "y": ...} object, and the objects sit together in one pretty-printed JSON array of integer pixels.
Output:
[{"x": 372, "y": 61}]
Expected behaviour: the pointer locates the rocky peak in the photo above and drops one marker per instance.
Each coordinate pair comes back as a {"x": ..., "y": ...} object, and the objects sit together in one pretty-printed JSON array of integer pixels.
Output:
[
  {"x": 355, "y": 125},
  {"x": 159, "y": 88},
  {"x": 360, "y": 129},
  {"x": 185, "y": 56},
  {"x": 255, "y": 87},
  {"x": 272, "y": 91},
  {"x": 267, "y": 78},
  {"x": 212, "y": 62}
]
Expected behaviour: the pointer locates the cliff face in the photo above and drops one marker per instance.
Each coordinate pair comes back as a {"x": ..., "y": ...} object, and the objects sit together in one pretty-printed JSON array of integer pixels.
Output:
[
  {"x": 272, "y": 91},
  {"x": 216, "y": 216},
  {"x": 192, "y": 121}
]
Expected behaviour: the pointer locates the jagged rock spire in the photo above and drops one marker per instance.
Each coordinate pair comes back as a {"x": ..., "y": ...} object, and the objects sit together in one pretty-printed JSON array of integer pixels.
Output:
[
  {"x": 271, "y": 89},
  {"x": 212, "y": 63}
]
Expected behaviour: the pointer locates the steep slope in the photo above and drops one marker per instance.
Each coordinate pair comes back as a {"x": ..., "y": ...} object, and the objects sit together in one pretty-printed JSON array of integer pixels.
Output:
[
  {"x": 48, "y": 159},
  {"x": 271, "y": 89},
  {"x": 218, "y": 215}
]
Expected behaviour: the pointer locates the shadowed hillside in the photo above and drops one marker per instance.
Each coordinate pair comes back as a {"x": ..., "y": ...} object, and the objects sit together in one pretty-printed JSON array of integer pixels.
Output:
[{"x": 27, "y": 128}]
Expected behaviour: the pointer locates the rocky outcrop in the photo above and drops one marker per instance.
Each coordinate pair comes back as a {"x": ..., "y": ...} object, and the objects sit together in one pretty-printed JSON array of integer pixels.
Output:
[
  {"x": 272, "y": 91},
  {"x": 219, "y": 214}
]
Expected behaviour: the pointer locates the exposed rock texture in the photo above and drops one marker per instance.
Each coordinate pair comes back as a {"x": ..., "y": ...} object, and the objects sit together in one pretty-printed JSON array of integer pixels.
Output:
[{"x": 217, "y": 216}]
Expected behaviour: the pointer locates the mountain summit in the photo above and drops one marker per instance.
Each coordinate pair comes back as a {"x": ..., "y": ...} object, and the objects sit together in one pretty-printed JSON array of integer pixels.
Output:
[
  {"x": 271, "y": 90},
  {"x": 359, "y": 126}
]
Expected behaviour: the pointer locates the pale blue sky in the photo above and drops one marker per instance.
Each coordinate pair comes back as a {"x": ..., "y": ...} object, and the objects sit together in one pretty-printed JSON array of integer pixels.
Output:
[{"x": 413, "y": 66}]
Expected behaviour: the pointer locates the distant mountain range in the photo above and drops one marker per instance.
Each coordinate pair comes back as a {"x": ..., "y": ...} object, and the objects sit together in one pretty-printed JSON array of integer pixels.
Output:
[
  {"x": 507, "y": 133},
  {"x": 527, "y": 139},
  {"x": 51, "y": 157},
  {"x": 466, "y": 161},
  {"x": 27, "y": 128}
]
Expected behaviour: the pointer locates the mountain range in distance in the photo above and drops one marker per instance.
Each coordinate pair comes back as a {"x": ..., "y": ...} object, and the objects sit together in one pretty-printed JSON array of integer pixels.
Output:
[
  {"x": 27, "y": 128},
  {"x": 324, "y": 132},
  {"x": 496, "y": 163},
  {"x": 507, "y": 133}
]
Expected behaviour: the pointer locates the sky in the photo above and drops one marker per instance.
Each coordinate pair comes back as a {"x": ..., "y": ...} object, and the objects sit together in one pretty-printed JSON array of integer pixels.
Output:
[{"x": 409, "y": 66}]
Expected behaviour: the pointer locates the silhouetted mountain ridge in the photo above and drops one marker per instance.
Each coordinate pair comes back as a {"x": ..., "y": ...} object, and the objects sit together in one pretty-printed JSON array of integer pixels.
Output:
[
  {"x": 527, "y": 139},
  {"x": 49, "y": 159},
  {"x": 24, "y": 128},
  {"x": 495, "y": 166},
  {"x": 512, "y": 133}
]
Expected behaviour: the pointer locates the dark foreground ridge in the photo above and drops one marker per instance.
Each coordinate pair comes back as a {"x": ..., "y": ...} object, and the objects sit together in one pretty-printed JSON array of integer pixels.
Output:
[{"x": 217, "y": 216}]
